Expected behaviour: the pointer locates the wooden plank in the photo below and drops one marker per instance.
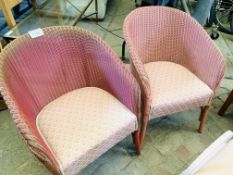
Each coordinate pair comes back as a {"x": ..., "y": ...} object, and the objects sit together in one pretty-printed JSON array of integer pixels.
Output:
[
  {"x": 6, "y": 6},
  {"x": 11, "y": 3}
]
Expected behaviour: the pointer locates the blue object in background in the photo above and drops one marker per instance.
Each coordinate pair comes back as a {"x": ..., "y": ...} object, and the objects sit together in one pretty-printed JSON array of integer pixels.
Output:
[
  {"x": 202, "y": 11},
  {"x": 166, "y": 2},
  {"x": 161, "y": 2}
]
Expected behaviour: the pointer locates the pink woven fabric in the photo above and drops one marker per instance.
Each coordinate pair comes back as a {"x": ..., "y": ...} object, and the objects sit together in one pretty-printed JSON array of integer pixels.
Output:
[
  {"x": 81, "y": 125},
  {"x": 34, "y": 72},
  {"x": 175, "y": 89},
  {"x": 166, "y": 34}
]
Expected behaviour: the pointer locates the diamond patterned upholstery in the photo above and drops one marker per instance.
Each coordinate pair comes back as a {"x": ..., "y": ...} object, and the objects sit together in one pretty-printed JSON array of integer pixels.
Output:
[
  {"x": 81, "y": 125},
  {"x": 174, "y": 88}
]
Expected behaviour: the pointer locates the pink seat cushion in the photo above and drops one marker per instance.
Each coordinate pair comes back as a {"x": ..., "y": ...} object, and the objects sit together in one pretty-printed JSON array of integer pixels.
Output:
[
  {"x": 174, "y": 88},
  {"x": 83, "y": 124}
]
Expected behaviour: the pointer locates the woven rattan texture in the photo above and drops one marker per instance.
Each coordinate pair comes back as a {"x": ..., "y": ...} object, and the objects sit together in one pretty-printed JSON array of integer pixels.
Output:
[
  {"x": 167, "y": 34},
  {"x": 83, "y": 124},
  {"x": 34, "y": 72}
]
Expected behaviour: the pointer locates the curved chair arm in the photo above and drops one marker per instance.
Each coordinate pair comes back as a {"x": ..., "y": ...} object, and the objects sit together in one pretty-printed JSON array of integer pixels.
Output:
[
  {"x": 22, "y": 115},
  {"x": 28, "y": 129},
  {"x": 142, "y": 77},
  {"x": 114, "y": 77},
  {"x": 202, "y": 56}
]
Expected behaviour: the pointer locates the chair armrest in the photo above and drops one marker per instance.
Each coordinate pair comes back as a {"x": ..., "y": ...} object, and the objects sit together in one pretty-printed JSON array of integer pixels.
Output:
[
  {"x": 23, "y": 113},
  {"x": 115, "y": 77},
  {"x": 202, "y": 56},
  {"x": 124, "y": 87},
  {"x": 143, "y": 79},
  {"x": 29, "y": 132}
]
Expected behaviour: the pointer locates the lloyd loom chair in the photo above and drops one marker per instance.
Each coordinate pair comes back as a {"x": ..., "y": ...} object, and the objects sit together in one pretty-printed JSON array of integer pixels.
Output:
[
  {"x": 176, "y": 63},
  {"x": 70, "y": 96}
]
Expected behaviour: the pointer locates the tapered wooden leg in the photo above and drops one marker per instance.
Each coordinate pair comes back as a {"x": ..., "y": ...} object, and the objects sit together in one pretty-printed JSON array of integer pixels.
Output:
[
  {"x": 201, "y": 114},
  {"x": 136, "y": 140},
  {"x": 227, "y": 103},
  {"x": 203, "y": 117},
  {"x": 143, "y": 132},
  {"x": 145, "y": 119}
]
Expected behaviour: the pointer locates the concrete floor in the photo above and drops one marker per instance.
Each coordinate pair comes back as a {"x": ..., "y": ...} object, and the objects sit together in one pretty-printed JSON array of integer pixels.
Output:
[{"x": 171, "y": 143}]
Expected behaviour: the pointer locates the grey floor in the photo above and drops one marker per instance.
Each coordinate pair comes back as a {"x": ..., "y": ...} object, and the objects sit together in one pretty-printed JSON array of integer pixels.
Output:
[{"x": 171, "y": 143}]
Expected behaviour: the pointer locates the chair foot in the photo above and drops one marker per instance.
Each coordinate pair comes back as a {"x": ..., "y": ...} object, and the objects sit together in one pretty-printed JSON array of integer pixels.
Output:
[
  {"x": 136, "y": 140},
  {"x": 227, "y": 103},
  {"x": 203, "y": 117}
]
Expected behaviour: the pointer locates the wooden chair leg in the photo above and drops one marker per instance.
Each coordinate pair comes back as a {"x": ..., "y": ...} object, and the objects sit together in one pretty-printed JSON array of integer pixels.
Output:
[
  {"x": 201, "y": 114},
  {"x": 143, "y": 132},
  {"x": 203, "y": 117},
  {"x": 226, "y": 104},
  {"x": 136, "y": 140}
]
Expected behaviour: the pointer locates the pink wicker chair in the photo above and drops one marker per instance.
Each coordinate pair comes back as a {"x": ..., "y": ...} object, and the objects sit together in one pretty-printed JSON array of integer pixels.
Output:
[
  {"x": 70, "y": 96},
  {"x": 176, "y": 63}
]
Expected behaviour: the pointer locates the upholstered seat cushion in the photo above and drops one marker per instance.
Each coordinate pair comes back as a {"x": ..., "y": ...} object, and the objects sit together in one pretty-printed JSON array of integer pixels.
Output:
[
  {"x": 174, "y": 88},
  {"x": 221, "y": 164},
  {"x": 82, "y": 124}
]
